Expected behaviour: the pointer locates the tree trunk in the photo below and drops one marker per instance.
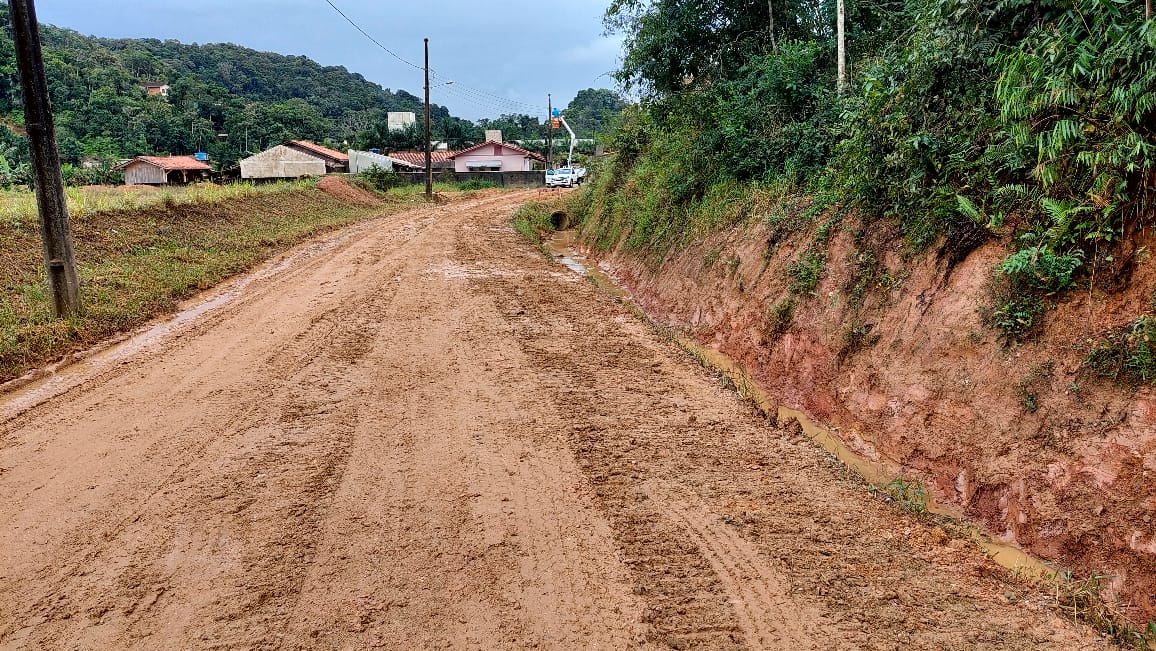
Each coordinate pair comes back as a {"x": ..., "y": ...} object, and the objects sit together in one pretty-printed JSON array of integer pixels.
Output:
[
  {"x": 1147, "y": 9},
  {"x": 840, "y": 19},
  {"x": 771, "y": 12}
]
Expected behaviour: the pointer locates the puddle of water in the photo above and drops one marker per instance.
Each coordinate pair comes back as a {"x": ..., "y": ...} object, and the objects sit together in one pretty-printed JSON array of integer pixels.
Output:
[
  {"x": 877, "y": 473},
  {"x": 561, "y": 246}
]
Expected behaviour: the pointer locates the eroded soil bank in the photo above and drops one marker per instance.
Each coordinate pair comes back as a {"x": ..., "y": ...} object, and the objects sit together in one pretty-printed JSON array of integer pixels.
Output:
[{"x": 896, "y": 357}]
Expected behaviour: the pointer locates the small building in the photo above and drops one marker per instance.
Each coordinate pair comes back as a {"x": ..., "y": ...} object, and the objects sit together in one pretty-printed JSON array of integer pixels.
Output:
[
  {"x": 361, "y": 161},
  {"x": 156, "y": 88},
  {"x": 335, "y": 161},
  {"x": 497, "y": 157},
  {"x": 400, "y": 120},
  {"x": 439, "y": 159},
  {"x": 164, "y": 170},
  {"x": 292, "y": 160}
]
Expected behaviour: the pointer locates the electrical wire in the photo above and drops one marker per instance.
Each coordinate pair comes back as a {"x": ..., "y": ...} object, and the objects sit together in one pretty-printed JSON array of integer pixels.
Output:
[
  {"x": 503, "y": 105},
  {"x": 462, "y": 91},
  {"x": 374, "y": 40}
]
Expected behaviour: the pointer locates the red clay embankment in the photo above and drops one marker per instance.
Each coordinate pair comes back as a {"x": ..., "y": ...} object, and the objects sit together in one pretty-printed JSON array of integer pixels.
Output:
[{"x": 1020, "y": 439}]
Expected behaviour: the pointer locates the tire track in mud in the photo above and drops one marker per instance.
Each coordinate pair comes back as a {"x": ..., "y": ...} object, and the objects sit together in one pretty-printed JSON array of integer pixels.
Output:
[
  {"x": 239, "y": 463},
  {"x": 768, "y": 618},
  {"x": 739, "y": 534},
  {"x": 687, "y": 604}
]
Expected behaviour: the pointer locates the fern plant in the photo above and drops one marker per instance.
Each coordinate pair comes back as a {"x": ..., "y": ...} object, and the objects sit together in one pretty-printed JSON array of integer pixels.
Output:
[{"x": 1080, "y": 93}]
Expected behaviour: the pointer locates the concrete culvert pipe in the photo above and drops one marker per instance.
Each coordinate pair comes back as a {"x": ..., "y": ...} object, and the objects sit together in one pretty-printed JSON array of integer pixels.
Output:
[{"x": 560, "y": 220}]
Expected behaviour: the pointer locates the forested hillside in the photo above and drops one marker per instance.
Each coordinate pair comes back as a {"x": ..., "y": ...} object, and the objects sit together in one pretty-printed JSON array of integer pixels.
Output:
[{"x": 257, "y": 98}]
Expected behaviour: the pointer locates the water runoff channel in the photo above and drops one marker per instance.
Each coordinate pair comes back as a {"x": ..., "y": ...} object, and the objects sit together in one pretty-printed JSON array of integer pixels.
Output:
[{"x": 566, "y": 250}]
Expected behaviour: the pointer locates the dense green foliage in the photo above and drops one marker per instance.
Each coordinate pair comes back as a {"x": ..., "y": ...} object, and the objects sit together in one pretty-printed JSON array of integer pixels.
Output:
[
  {"x": 592, "y": 111},
  {"x": 963, "y": 120}
]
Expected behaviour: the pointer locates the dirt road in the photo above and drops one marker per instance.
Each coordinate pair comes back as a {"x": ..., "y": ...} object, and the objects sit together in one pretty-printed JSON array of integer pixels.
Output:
[{"x": 419, "y": 433}]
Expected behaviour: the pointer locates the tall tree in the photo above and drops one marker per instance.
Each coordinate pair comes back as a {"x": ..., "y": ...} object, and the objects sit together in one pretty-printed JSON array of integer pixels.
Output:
[
  {"x": 841, "y": 37},
  {"x": 592, "y": 110}
]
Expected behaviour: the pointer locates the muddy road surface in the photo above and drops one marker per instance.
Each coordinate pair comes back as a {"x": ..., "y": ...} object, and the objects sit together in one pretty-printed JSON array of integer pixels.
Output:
[{"x": 419, "y": 433}]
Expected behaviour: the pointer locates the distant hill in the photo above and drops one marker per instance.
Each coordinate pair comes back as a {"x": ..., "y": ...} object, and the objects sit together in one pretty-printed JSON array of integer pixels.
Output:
[{"x": 256, "y": 98}]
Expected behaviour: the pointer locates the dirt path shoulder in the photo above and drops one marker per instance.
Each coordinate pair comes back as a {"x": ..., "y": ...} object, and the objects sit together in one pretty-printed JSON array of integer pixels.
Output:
[{"x": 418, "y": 433}]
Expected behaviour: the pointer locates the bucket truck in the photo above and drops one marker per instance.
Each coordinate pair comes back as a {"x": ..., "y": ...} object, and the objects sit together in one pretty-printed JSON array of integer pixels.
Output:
[{"x": 569, "y": 176}]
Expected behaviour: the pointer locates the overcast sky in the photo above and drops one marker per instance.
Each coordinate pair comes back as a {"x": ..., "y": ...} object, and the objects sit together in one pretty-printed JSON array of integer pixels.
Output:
[{"x": 503, "y": 55}]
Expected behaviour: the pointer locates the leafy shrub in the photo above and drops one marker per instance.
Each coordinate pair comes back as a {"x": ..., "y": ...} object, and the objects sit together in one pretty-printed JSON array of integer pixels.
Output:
[
  {"x": 1129, "y": 354},
  {"x": 1038, "y": 267},
  {"x": 806, "y": 271},
  {"x": 381, "y": 179},
  {"x": 1016, "y": 315},
  {"x": 1079, "y": 97}
]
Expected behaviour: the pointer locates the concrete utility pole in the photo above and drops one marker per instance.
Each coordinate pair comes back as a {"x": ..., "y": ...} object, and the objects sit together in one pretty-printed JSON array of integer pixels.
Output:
[
  {"x": 55, "y": 230},
  {"x": 549, "y": 129},
  {"x": 429, "y": 154}
]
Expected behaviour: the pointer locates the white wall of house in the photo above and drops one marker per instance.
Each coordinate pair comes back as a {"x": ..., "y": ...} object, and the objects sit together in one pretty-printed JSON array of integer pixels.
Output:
[
  {"x": 281, "y": 162},
  {"x": 361, "y": 161}
]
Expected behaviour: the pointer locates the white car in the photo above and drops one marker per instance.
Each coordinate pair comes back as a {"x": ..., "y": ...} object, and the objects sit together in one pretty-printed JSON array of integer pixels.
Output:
[{"x": 565, "y": 177}]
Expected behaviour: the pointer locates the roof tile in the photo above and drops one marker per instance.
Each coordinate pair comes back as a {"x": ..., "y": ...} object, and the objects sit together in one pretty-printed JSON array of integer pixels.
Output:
[
  {"x": 318, "y": 149},
  {"x": 171, "y": 163}
]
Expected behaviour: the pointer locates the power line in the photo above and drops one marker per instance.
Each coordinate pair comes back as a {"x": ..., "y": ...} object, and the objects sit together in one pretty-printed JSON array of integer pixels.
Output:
[
  {"x": 487, "y": 104},
  {"x": 465, "y": 90},
  {"x": 505, "y": 105},
  {"x": 374, "y": 40},
  {"x": 497, "y": 98}
]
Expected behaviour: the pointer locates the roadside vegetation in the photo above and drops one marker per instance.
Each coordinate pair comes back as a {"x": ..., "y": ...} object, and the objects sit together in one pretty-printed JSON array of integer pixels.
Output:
[
  {"x": 141, "y": 251},
  {"x": 960, "y": 122},
  {"x": 958, "y": 125}
]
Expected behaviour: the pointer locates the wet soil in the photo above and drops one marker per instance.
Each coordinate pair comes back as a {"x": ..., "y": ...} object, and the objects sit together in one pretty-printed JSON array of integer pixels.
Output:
[{"x": 420, "y": 433}]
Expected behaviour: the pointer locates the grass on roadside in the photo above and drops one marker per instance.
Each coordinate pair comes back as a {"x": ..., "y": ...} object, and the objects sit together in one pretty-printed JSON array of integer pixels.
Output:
[{"x": 141, "y": 252}]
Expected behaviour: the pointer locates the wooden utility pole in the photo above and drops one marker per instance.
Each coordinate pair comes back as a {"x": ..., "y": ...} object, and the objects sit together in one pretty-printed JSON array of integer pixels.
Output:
[
  {"x": 840, "y": 31},
  {"x": 549, "y": 130},
  {"x": 429, "y": 154},
  {"x": 55, "y": 231}
]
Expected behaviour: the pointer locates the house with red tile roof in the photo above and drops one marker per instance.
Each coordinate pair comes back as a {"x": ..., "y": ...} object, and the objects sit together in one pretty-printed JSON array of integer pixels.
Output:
[
  {"x": 164, "y": 170},
  {"x": 335, "y": 161},
  {"x": 497, "y": 157},
  {"x": 440, "y": 159}
]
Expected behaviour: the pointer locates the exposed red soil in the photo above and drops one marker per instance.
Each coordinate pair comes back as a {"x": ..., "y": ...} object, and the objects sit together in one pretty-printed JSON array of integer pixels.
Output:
[
  {"x": 910, "y": 374},
  {"x": 418, "y": 433},
  {"x": 347, "y": 192}
]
